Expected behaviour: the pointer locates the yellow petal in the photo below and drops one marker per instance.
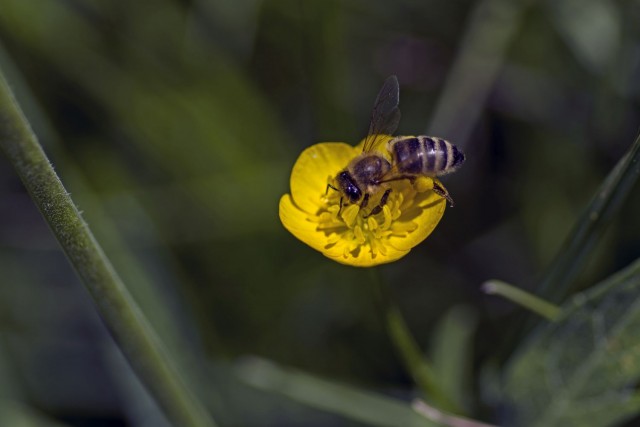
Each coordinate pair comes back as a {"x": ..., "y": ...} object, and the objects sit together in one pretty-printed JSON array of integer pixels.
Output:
[
  {"x": 297, "y": 222},
  {"x": 426, "y": 215},
  {"x": 365, "y": 258},
  {"x": 312, "y": 169}
]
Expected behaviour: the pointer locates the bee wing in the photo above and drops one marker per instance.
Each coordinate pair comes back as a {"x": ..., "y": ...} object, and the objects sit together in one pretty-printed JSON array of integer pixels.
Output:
[
  {"x": 396, "y": 172},
  {"x": 385, "y": 116}
]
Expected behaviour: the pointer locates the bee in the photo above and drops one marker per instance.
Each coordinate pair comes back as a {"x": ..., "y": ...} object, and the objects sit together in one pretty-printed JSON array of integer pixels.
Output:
[{"x": 409, "y": 157}]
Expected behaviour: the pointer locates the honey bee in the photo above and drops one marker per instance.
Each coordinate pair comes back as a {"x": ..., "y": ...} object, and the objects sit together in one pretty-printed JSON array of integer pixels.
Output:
[{"x": 409, "y": 157}]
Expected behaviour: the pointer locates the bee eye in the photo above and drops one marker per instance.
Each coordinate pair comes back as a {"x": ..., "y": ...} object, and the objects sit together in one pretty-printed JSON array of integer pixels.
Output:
[
  {"x": 349, "y": 187},
  {"x": 353, "y": 193}
]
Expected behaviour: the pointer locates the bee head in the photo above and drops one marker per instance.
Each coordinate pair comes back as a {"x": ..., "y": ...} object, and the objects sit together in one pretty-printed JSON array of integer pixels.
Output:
[{"x": 349, "y": 187}]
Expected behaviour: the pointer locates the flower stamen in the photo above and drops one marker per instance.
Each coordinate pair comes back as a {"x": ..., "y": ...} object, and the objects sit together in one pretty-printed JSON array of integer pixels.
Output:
[{"x": 362, "y": 231}]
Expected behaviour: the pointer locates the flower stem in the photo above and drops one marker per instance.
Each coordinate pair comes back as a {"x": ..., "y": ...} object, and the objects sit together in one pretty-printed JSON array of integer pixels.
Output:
[
  {"x": 413, "y": 358},
  {"x": 525, "y": 299},
  {"x": 122, "y": 316},
  {"x": 444, "y": 419}
]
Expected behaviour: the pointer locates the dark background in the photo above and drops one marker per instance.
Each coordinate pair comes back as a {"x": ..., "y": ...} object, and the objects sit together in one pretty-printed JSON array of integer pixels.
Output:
[{"x": 175, "y": 124}]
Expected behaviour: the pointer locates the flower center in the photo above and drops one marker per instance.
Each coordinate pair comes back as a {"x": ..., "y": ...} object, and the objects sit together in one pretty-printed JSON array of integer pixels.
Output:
[{"x": 357, "y": 229}]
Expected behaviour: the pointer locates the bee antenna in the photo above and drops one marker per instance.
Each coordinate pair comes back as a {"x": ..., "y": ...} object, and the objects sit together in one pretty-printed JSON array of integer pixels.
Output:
[{"x": 329, "y": 186}]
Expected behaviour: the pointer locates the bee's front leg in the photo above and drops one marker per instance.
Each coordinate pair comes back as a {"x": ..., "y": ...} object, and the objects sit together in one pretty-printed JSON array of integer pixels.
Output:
[
  {"x": 383, "y": 201},
  {"x": 365, "y": 201}
]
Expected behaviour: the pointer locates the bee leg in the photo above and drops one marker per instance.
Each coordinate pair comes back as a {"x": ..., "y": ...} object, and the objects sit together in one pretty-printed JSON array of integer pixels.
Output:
[
  {"x": 365, "y": 201},
  {"x": 340, "y": 209},
  {"x": 442, "y": 192},
  {"x": 383, "y": 201}
]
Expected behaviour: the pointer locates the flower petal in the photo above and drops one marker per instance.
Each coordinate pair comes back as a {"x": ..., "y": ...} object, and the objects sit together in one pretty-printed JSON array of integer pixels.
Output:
[
  {"x": 297, "y": 222},
  {"x": 425, "y": 216},
  {"x": 364, "y": 257},
  {"x": 312, "y": 170}
]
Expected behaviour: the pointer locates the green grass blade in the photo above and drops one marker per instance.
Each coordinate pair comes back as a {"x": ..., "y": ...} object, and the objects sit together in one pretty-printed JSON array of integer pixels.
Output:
[
  {"x": 452, "y": 354},
  {"x": 438, "y": 416},
  {"x": 350, "y": 402},
  {"x": 17, "y": 414},
  {"x": 581, "y": 369},
  {"x": 605, "y": 204},
  {"x": 591, "y": 29},
  {"x": 492, "y": 26},
  {"x": 525, "y": 299},
  {"x": 419, "y": 368},
  {"x": 409, "y": 351},
  {"x": 119, "y": 311}
]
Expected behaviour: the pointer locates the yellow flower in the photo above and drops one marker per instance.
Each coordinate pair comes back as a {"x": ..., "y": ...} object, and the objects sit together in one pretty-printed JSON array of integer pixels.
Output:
[{"x": 348, "y": 235}]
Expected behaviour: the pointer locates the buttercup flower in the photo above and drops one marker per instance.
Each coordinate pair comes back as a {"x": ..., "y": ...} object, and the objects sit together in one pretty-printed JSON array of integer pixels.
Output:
[{"x": 351, "y": 235}]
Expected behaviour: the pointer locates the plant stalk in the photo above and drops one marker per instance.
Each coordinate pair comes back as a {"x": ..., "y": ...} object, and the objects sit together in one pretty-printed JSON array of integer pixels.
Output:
[
  {"x": 409, "y": 351},
  {"x": 118, "y": 310}
]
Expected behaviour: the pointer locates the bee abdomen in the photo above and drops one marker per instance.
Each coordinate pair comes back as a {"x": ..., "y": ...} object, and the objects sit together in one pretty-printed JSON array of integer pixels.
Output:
[
  {"x": 437, "y": 152},
  {"x": 426, "y": 155},
  {"x": 408, "y": 155}
]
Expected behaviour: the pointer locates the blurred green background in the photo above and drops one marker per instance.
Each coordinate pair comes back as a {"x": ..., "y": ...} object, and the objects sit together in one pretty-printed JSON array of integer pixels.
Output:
[{"x": 174, "y": 125}]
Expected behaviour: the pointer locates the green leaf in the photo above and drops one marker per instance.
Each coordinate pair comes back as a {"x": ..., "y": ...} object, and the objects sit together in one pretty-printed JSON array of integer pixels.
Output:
[
  {"x": 351, "y": 402},
  {"x": 581, "y": 370}
]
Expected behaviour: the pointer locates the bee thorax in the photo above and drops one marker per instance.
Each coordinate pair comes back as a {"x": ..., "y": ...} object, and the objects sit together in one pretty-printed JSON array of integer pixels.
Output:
[
  {"x": 362, "y": 176},
  {"x": 369, "y": 169}
]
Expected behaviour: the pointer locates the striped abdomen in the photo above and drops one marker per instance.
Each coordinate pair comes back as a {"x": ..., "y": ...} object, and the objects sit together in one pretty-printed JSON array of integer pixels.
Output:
[{"x": 424, "y": 155}]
